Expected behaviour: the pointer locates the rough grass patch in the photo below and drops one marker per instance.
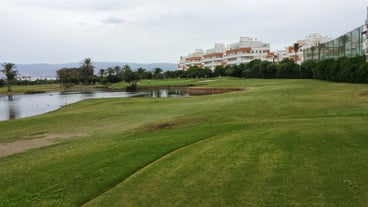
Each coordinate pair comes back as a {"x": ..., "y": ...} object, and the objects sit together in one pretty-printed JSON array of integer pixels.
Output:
[
  {"x": 363, "y": 93},
  {"x": 167, "y": 125}
]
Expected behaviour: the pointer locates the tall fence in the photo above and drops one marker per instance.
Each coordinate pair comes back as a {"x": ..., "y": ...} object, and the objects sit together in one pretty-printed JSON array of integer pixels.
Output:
[{"x": 347, "y": 45}]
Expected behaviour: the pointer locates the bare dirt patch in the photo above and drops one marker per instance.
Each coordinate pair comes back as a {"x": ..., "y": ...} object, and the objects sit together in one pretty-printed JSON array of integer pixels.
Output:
[
  {"x": 11, "y": 148},
  {"x": 210, "y": 91},
  {"x": 159, "y": 127},
  {"x": 167, "y": 125},
  {"x": 363, "y": 93}
]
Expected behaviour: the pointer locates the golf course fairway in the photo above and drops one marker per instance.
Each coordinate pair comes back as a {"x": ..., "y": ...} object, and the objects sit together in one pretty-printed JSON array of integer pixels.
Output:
[{"x": 276, "y": 143}]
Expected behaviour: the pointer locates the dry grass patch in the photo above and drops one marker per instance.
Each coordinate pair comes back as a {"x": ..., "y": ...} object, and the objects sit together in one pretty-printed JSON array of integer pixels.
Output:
[
  {"x": 35, "y": 141},
  {"x": 167, "y": 125},
  {"x": 363, "y": 93}
]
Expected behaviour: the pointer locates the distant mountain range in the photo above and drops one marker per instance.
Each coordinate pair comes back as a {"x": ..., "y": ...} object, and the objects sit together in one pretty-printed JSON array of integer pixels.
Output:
[{"x": 42, "y": 70}]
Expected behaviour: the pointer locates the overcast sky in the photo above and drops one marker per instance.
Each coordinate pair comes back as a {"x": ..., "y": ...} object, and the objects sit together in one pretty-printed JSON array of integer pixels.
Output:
[{"x": 145, "y": 31}]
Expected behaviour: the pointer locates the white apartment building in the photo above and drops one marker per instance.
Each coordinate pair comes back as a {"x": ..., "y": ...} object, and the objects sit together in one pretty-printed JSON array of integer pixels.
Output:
[
  {"x": 280, "y": 55},
  {"x": 244, "y": 51},
  {"x": 215, "y": 56},
  {"x": 193, "y": 59}
]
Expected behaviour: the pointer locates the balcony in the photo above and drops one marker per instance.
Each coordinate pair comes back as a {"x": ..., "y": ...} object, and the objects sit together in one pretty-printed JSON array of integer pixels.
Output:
[{"x": 213, "y": 59}]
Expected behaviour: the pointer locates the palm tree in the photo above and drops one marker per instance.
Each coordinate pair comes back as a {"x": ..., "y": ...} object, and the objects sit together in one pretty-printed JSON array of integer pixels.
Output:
[
  {"x": 313, "y": 49},
  {"x": 343, "y": 40},
  {"x": 117, "y": 70},
  {"x": 102, "y": 72},
  {"x": 126, "y": 68},
  {"x": 141, "y": 71},
  {"x": 10, "y": 73},
  {"x": 320, "y": 46},
  {"x": 296, "y": 48},
  {"x": 157, "y": 72},
  {"x": 87, "y": 70},
  {"x": 110, "y": 71}
]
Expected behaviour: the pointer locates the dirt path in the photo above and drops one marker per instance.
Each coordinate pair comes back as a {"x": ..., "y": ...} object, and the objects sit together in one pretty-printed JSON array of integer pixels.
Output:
[{"x": 11, "y": 148}]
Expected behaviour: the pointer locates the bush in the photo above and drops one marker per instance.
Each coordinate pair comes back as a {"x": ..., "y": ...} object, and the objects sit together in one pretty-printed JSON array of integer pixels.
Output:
[
  {"x": 353, "y": 70},
  {"x": 307, "y": 69},
  {"x": 344, "y": 69},
  {"x": 288, "y": 69}
]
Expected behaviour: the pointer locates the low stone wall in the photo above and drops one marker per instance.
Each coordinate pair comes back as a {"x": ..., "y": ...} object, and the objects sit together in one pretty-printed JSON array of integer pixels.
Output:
[{"x": 208, "y": 91}]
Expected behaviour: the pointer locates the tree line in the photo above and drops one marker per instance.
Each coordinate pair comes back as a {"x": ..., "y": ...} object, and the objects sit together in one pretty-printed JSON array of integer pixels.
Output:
[
  {"x": 86, "y": 74},
  {"x": 254, "y": 69},
  {"x": 83, "y": 74},
  {"x": 344, "y": 69}
]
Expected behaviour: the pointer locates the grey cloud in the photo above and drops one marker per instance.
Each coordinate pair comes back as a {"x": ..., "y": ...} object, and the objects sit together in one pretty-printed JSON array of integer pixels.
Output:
[
  {"x": 82, "y": 23},
  {"x": 113, "y": 20}
]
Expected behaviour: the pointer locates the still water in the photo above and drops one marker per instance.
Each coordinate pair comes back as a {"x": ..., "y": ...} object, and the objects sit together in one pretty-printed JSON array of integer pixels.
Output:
[{"x": 20, "y": 106}]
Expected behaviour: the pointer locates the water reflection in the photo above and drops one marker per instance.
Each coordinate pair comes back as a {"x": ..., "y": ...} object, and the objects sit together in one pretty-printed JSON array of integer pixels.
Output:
[
  {"x": 11, "y": 108},
  {"x": 20, "y": 106},
  {"x": 169, "y": 92}
]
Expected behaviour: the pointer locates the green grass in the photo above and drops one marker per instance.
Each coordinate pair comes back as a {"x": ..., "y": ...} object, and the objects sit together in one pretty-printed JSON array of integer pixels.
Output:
[
  {"x": 16, "y": 89},
  {"x": 22, "y": 89},
  {"x": 279, "y": 143},
  {"x": 163, "y": 82}
]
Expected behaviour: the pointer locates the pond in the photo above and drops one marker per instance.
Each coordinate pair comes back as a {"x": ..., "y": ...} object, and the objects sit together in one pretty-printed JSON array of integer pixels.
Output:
[{"x": 20, "y": 106}]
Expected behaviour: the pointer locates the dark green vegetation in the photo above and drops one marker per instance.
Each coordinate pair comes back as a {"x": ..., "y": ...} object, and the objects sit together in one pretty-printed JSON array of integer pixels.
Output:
[
  {"x": 350, "y": 70},
  {"x": 279, "y": 143},
  {"x": 353, "y": 70},
  {"x": 10, "y": 74},
  {"x": 85, "y": 74},
  {"x": 87, "y": 70}
]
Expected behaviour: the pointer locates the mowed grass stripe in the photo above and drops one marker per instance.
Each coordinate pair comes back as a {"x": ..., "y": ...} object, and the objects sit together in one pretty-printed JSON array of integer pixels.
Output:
[
  {"x": 86, "y": 169},
  {"x": 167, "y": 156},
  {"x": 257, "y": 165}
]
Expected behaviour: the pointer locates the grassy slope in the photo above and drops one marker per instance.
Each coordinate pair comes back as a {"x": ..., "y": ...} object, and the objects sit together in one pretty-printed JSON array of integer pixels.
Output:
[
  {"x": 281, "y": 143},
  {"x": 21, "y": 89},
  {"x": 44, "y": 88},
  {"x": 168, "y": 82}
]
